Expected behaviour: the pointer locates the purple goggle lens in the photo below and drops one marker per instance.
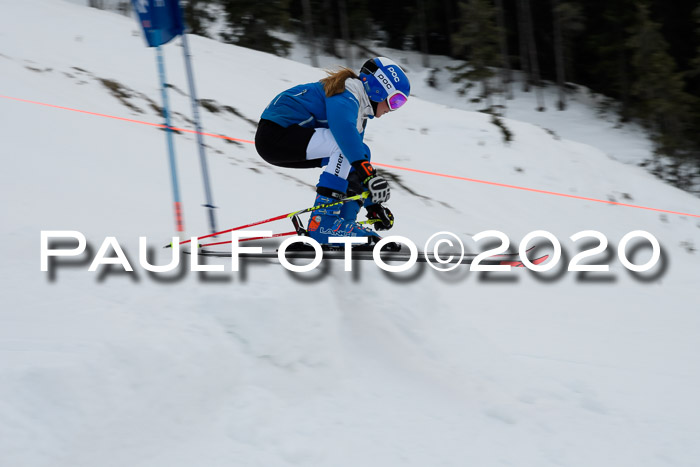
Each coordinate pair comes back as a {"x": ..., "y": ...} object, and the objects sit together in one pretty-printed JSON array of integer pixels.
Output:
[{"x": 396, "y": 100}]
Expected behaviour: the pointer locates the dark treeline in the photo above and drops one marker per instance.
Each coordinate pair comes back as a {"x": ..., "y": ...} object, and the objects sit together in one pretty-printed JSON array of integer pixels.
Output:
[{"x": 642, "y": 54}]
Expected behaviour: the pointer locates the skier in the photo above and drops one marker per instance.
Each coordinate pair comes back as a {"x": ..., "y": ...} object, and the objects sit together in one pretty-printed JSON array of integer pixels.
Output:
[{"x": 323, "y": 124}]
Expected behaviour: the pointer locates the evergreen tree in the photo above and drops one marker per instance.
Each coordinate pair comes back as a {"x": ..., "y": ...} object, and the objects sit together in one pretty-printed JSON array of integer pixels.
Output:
[
  {"x": 559, "y": 54},
  {"x": 695, "y": 72},
  {"x": 694, "y": 134},
  {"x": 333, "y": 20},
  {"x": 533, "y": 55},
  {"x": 567, "y": 22},
  {"x": 573, "y": 23},
  {"x": 523, "y": 43},
  {"x": 506, "y": 77},
  {"x": 606, "y": 54},
  {"x": 657, "y": 91},
  {"x": 356, "y": 26},
  {"x": 392, "y": 17},
  {"x": 423, "y": 31},
  {"x": 309, "y": 29},
  {"x": 249, "y": 23},
  {"x": 198, "y": 16},
  {"x": 360, "y": 24},
  {"x": 477, "y": 41}
]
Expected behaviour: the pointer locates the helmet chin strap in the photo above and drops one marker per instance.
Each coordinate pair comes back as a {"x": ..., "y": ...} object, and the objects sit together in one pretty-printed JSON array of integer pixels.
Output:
[{"x": 374, "y": 107}]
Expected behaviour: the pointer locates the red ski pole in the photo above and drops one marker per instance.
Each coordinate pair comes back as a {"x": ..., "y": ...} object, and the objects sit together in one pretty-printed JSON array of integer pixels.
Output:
[
  {"x": 276, "y": 218},
  {"x": 248, "y": 239}
]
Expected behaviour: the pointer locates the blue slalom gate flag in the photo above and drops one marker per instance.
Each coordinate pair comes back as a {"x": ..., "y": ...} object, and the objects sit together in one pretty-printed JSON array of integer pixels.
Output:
[{"x": 161, "y": 20}]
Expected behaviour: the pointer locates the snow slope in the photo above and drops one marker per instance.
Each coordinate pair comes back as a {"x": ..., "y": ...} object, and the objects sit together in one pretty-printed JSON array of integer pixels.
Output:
[
  {"x": 267, "y": 367},
  {"x": 585, "y": 119}
]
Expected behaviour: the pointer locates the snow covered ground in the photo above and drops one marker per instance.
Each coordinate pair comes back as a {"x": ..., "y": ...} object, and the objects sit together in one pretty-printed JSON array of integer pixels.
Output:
[{"x": 271, "y": 368}]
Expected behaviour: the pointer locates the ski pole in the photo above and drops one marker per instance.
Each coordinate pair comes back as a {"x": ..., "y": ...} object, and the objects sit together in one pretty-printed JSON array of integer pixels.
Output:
[
  {"x": 370, "y": 221},
  {"x": 284, "y": 234},
  {"x": 282, "y": 216}
]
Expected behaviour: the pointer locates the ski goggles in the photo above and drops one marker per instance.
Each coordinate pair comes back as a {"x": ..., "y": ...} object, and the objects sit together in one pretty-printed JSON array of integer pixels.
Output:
[{"x": 396, "y": 100}]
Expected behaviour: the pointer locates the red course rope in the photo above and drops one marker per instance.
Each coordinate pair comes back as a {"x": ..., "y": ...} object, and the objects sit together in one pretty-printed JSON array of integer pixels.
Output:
[{"x": 395, "y": 167}]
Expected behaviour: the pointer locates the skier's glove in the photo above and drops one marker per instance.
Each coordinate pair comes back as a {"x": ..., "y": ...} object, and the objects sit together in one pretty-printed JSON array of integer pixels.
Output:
[
  {"x": 383, "y": 214},
  {"x": 376, "y": 184}
]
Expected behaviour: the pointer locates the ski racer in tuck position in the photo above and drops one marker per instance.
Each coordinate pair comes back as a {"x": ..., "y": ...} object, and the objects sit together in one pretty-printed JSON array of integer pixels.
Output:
[{"x": 322, "y": 124}]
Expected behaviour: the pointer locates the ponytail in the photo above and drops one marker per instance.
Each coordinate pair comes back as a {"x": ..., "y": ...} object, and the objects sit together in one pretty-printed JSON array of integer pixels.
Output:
[{"x": 334, "y": 83}]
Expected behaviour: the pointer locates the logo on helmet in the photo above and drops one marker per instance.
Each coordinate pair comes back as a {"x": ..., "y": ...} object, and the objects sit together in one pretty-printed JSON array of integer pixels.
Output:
[
  {"x": 381, "y": 77},
  {"x": 394, "y": 74}
]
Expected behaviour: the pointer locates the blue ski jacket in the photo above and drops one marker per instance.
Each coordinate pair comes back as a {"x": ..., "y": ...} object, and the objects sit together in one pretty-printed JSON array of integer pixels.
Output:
[{"x": 345, "y": 114}]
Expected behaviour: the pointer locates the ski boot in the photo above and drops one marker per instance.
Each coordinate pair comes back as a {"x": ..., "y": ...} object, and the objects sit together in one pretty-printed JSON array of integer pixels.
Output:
[
  {"x": 351, "y": 209},
  {"x": 330, "y": 222}
]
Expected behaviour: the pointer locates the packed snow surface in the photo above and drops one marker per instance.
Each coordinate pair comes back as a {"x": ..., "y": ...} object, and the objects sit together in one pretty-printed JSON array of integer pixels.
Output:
[{"x": 329, "y": 368}]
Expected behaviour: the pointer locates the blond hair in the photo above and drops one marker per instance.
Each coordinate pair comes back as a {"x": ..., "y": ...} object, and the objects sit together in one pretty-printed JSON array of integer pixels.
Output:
[{"x": 334, "y": 83}]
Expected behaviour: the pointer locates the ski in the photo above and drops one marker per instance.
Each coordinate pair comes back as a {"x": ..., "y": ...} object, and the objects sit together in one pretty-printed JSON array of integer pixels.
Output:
[{"x": 510, "y": 259}]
